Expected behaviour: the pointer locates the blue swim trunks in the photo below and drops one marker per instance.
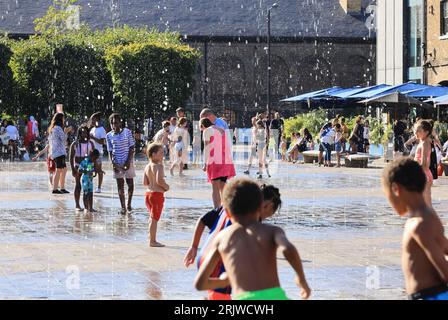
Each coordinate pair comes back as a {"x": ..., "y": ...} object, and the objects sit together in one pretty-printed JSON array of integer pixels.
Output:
[
  {"x": 439, "y": 296},
  {"x": 435, "y": 293},
  {"x": 87, "y": 183}
]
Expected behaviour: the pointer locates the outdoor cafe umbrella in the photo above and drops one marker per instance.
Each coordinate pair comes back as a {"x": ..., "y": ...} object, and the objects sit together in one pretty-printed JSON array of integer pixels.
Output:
[
  {"x": 442, "y": 100},
  {"x": 439, "y": 100},
  {"x": 346, "y": 94},
  {"x": 382, "y": 91},
  {"x": 395, "y": 100},
  {"x": 310, "y": 95},
  {"x": 431, "y": 92}
]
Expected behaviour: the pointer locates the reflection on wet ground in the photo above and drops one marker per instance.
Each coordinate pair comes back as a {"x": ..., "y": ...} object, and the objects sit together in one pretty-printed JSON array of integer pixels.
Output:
[
  {"x": 327, "y": 283},
  {"x": 323, "y": 216}
]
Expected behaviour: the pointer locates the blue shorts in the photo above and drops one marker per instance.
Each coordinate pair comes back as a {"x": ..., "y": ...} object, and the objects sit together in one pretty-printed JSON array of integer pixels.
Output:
[
  {"x": 434, "y": 293},
  {"x": 87, "y": 183},
  {"x": 439, "y": 296}
]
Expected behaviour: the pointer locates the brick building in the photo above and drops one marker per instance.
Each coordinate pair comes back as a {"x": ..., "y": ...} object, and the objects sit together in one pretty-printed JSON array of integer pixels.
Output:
[
  {"x": 436, "y": 67},
  {"x": 315, "y": 44},
  {"x": 412, "y": 41}
]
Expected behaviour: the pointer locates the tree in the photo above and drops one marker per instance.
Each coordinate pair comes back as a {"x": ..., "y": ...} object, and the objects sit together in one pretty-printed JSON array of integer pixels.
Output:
[{"x": 6, "y": 77}]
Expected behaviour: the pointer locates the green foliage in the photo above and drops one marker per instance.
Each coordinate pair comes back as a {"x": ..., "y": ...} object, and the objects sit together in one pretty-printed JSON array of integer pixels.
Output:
[
  {"x": 379, "y": 133},
  {"x": 313, "y": 121},
  {"x": 151, "y": 77},
  {"x": 111, "y": 37},
  {"x": 75, "y": 68},
  {"x": 442, "y": 130},
  {"x": 6, "y": 76},
  {"x": 60, "y": 70}
]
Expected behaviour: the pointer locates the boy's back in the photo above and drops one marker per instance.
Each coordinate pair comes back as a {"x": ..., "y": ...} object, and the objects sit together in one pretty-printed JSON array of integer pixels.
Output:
[
  {"x": 419, "y": 271},
  {"x": 250, "y": 256},
  {"x": 154, "y": 173}
]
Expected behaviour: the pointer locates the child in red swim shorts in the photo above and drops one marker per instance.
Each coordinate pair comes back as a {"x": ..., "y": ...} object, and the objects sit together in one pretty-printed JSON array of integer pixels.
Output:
[{"x": 154, "y": 181}]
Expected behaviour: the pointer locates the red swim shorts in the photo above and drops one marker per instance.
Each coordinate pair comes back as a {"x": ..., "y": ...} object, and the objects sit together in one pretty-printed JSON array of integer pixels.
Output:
[
  {"x": 213, "y": 295},
  {"x": 51, "y": 165},
  {"x": 154, "y": 202}
]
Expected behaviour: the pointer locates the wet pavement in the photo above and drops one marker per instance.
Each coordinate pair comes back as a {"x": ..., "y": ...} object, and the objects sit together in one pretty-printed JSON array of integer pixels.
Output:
[{"x": 346, "y": 233}]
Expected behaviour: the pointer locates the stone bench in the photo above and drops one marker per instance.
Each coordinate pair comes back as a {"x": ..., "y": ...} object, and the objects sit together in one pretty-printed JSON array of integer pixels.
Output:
[
  {"x": 312, "y": 156},
  {"x": 357, "y": 160}
]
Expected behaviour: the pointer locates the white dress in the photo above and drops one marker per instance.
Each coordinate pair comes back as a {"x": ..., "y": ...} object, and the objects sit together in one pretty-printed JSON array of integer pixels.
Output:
[{"x": 183, "y": 145}]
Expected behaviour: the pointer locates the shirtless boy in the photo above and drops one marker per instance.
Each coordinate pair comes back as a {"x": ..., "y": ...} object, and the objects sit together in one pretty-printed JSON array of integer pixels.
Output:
[
  {"x": 245, "y": 241},
  {"x": 154, "y": 181},
  {"x": 424, "y": 247}
]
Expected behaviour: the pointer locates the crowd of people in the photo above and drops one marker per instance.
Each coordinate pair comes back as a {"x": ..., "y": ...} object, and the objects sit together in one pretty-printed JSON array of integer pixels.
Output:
[
  {"x": 238, "y": 232},
  {"x": 13, "y": 145},
  {"x": 333, "y": 136},
  {"x": 238, "y": 236}
]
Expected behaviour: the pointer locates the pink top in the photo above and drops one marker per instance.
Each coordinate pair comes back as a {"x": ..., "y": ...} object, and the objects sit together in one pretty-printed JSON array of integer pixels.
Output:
[
  {"x": 418, "y": 158},
  {"x": 82, "y": 150},
  {"x": 219, "y": 161}
]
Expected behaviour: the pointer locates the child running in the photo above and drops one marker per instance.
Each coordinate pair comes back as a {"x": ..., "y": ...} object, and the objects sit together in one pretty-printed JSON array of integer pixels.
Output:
[
  {"x": 156, "y": 186},
  {"x": 424, "y": 247},
  {"x": 87, "y": 169},
  {"x": 217, "y": 220},
  {"x": 248, "y": 250}
]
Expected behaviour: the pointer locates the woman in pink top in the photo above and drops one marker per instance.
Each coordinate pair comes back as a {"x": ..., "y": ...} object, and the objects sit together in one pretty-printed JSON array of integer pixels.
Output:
[
  {"x": 423, "y": 130},
  {"x": 218, "y": 158}
]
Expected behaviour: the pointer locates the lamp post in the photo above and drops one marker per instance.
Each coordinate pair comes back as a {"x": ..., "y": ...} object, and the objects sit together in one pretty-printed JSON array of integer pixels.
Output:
[{"x": 268, "y": 105}]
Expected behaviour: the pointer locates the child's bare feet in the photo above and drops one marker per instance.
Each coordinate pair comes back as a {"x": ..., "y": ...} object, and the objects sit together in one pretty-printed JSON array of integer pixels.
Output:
[
  {"x": 156, "y": 244},
  {"x": 79, "y": 209}
]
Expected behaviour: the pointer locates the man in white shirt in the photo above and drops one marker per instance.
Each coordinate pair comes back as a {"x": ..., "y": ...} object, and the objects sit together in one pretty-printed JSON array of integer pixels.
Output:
[
  {"x": 98, "y": 136},
  {"x": 12, "y": 136},
  {"x": 327, "y": 140}
]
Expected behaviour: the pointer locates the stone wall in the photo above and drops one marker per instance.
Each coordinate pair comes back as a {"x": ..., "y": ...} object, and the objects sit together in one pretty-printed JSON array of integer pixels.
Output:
[{"x": 237, "y": 74}]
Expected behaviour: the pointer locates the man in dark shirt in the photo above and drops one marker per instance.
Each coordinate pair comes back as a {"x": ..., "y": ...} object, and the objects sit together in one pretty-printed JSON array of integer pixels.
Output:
[
  {"x": 276, "y": 128},
  {"x": 399, "y": 130}
]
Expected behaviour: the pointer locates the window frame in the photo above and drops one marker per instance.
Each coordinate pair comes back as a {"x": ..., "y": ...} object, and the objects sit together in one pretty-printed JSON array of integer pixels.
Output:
[{"x": 444, "y": 18}]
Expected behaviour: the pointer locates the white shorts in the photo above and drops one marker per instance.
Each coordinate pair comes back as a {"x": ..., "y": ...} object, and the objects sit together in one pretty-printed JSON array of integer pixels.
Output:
[{"x": 125, "y": 174}]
